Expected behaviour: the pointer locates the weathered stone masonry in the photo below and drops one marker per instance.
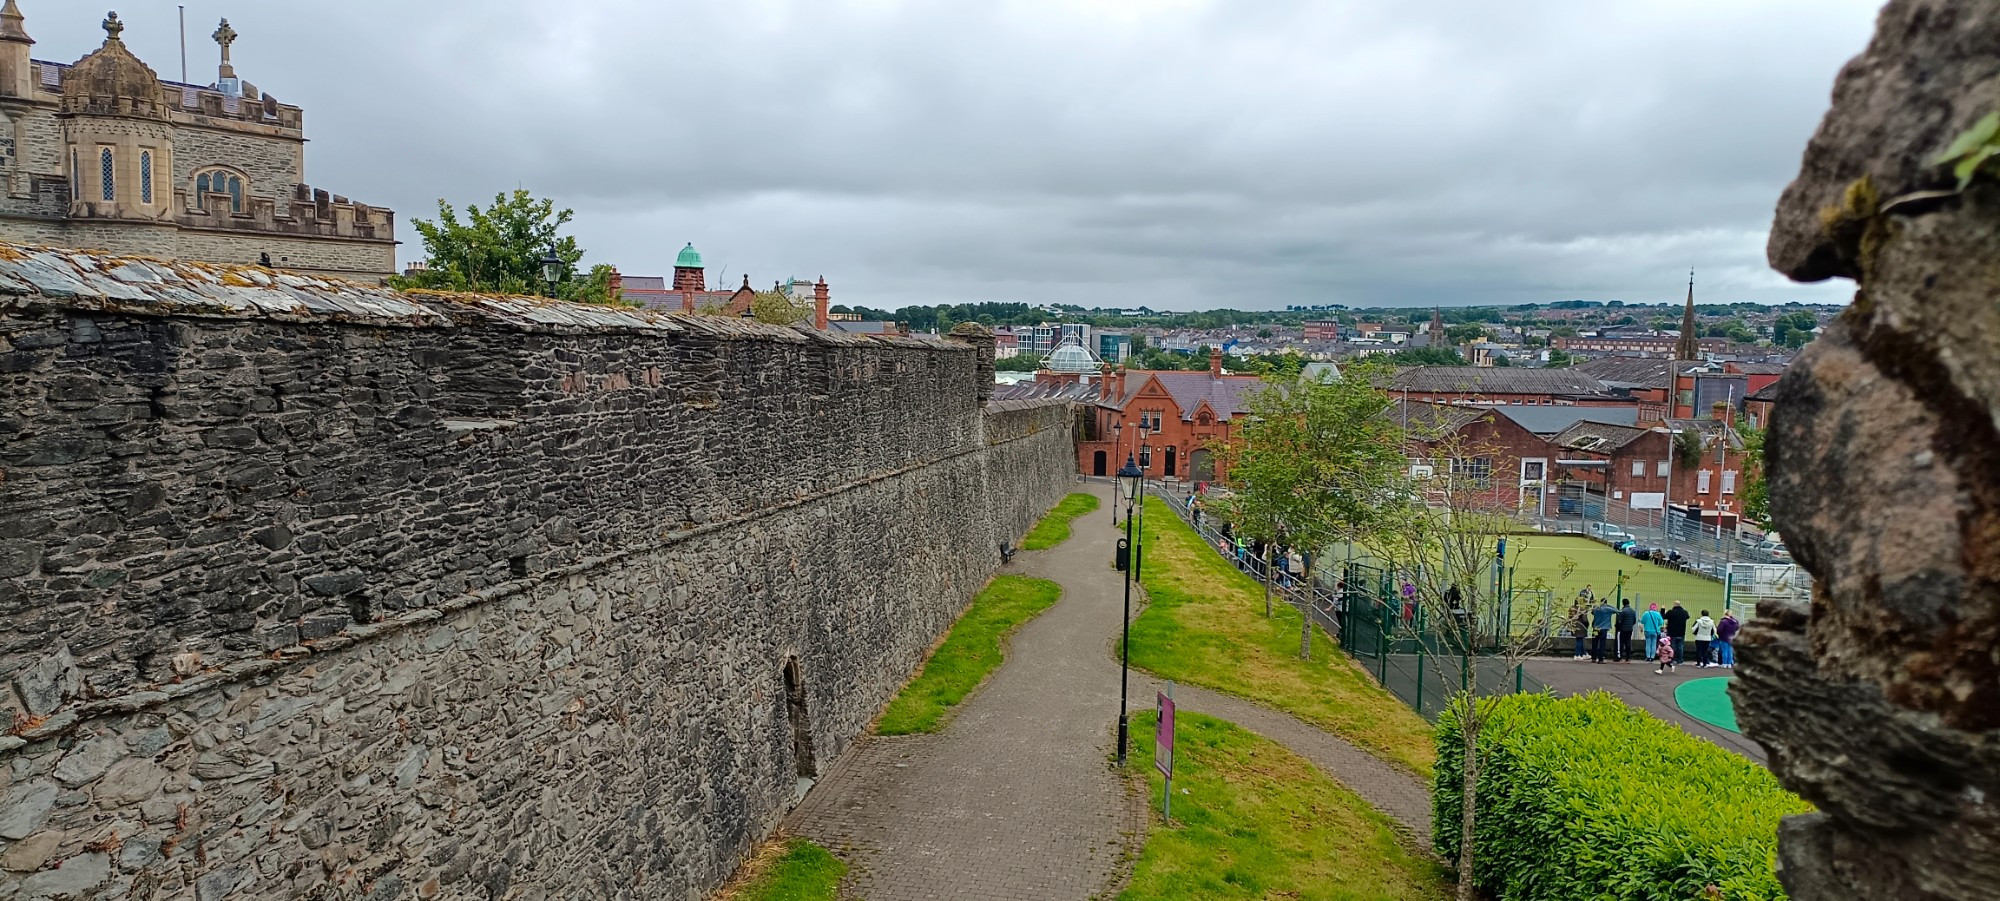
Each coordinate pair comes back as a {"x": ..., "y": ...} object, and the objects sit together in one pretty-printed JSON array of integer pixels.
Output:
[{"x": 327, "y": 592}]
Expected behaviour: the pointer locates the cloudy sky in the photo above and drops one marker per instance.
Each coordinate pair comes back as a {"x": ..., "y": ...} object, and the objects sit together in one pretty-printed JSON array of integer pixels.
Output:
[{"x": 1176, "y": 153}]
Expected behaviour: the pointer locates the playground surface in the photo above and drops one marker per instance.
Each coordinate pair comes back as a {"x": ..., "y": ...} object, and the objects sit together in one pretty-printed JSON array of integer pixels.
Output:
[{"x": 1708, "y": 700}]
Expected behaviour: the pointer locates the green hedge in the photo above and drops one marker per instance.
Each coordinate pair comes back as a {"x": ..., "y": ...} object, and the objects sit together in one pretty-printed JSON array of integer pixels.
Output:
[{"x": 1590, "y": 798}]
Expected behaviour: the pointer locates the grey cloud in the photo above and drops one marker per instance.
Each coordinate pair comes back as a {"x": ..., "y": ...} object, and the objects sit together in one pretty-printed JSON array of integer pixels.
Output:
[{"x": 1172, "y": 152}]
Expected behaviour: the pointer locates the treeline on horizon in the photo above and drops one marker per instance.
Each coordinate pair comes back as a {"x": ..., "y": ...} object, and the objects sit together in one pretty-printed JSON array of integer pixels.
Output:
[{"x": 943, "y": 316}]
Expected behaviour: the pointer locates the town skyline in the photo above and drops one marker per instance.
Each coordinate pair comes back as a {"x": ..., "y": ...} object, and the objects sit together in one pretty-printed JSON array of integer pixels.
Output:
[{"x": 779, "y": 165}]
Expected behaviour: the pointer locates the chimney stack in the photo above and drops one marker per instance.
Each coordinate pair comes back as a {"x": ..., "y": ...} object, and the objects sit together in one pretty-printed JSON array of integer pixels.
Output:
[
  {"x": 617, "y": 284},
  {"x": 819, "y": 304},
  {"x": 1720, "y": 412},
  {"x": 1215, "y": 361}
]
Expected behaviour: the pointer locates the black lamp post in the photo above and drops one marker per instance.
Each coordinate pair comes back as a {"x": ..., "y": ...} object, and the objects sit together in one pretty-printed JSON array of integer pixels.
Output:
[
  {"x": 1130, "y": 475},
  {"x": 551, "y": 267},
  {"x": 1139, "y": 495}
]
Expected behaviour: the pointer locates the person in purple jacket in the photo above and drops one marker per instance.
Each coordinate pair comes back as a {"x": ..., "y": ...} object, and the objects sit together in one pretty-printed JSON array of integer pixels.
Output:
[{"x": 1725, "y": 639}]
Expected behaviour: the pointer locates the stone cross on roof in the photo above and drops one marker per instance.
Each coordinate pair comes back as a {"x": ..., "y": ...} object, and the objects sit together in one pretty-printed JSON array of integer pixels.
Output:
[
  {"x": 112, "y": 27},
  {"x": 226, "y": 36}
]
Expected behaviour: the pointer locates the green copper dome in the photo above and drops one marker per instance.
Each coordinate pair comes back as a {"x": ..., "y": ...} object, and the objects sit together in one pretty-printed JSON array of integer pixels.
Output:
[{"x": 690, "y": 258}]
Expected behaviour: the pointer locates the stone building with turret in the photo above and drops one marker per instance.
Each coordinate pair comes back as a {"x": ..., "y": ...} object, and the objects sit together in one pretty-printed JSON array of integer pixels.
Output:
[{"x": 103, "y": 154}]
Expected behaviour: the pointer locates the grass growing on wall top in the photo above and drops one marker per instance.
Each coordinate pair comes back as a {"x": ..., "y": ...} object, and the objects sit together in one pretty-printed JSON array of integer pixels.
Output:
[
  {"x": 1054, "y": 528},
  {"x": 1254, "y": 820},
  {"x": 796, "y": 870},
  {"x": 1205, "y": 625},
  {"x": 971, "y": 651}
]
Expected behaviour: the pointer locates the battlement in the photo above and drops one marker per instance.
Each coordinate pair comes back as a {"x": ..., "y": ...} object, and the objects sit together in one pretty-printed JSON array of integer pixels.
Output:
[
  {"x": 309, "y": 212},
  {"x": 195, "y": 104}
]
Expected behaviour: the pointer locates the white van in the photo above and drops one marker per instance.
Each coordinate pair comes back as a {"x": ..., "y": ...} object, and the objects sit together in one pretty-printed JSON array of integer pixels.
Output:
[{"x": 1608, "y": 532}]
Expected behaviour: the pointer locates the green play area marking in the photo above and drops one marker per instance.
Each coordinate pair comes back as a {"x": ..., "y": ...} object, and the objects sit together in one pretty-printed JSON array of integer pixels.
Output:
[{"x": 1708, "y": 700}]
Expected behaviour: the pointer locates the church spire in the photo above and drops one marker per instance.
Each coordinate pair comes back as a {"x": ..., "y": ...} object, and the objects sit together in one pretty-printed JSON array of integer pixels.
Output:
[{"x": 1689, "y": 347}]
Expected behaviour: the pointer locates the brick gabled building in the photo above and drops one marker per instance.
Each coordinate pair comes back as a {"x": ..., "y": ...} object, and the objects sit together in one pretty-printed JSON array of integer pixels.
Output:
[
  {"x": 1184, "y": 414},
  {"x": 1651, "y": 382},
  {"x": 1510, "y": 463},
  {"x": 1612, "y": 462}
]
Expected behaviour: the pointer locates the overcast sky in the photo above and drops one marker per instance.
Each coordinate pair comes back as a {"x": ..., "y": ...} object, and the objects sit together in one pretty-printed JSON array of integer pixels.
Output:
[{"x": 1175, "y": 153}]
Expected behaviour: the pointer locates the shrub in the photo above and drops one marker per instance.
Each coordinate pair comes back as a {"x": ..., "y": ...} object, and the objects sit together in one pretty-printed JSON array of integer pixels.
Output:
[{"x": 1587, "y": 797}]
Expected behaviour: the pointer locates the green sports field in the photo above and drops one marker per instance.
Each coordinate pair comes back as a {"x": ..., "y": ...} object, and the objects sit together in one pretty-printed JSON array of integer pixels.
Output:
[{"x": 1598, "y": 566}]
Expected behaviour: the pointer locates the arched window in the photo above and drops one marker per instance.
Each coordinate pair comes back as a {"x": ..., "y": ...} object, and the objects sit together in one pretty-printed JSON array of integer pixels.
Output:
[
  {"x": 146, "y": 176},
  {"x": 218, "y": 181},
  {"x": 104, "y": 171}
]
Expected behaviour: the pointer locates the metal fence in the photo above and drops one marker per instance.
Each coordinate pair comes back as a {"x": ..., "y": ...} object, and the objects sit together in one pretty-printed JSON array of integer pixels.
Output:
[
  {"x": 1360, "y": 606},
  {"x": 1705, "y": 551}
]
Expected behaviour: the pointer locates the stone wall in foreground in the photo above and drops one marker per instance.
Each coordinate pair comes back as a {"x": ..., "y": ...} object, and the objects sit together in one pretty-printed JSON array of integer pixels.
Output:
[
  {"x": 1880, "y": 702},
  {"x": 462, "y": 599}
]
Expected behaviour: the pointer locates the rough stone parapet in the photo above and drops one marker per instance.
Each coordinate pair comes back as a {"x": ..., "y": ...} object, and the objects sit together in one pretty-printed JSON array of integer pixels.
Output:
[{"x": 1881, "y": 702}]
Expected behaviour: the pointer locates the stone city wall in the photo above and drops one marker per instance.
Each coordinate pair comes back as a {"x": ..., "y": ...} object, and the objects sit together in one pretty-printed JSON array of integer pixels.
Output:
[{"x": 460, "y": 599}]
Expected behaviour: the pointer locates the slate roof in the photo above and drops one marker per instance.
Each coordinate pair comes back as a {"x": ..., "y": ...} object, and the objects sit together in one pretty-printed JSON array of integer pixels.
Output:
[
  {"x": 1428, "y": 420},
  {"x": 1596, "y": 437},
  {"x": 1032, "y": 390},
  {"x": 1227, "y": 395},
  {"x": 1495, "y": 380},
  {"x": 1635, "y": 372},
  {"x": 1745, "y": 368},
  {"x": 1546, "y": 420},
  {"x": 863, "y": 327},
  {"x": 1767, "y": 393}
]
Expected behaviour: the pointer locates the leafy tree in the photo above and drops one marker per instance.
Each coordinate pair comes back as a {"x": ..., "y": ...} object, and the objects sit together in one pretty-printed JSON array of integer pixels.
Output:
[
  {"x": 1463, "y": 334},
  {"x": 1559, "y": 358},
  {"x": 1264, "y": 333},
  {"x": 1756, "y": 494},
  {"x": 1689, "y": 447},
  {"x": 499, "y": 250},
  {"x": 1018, "y": 363},
  {"x": 1502, "y": 360},
  {"x": 1794, "y": 329},
  {"x": 778, "y": 308},
  {"x": 1313, "y": 461}
]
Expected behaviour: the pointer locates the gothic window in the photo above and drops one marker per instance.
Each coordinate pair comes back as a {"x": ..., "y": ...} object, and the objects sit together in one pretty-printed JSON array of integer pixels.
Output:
[
  {"x": 146, "y": 177},
  {"x": 219, "y": 181},
  {"x": 110, "y": 180}
]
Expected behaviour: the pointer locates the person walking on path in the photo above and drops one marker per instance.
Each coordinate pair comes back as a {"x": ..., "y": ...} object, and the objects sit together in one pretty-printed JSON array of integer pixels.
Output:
[
  {"x": 1704, "y": 632},
  {"x": 1677, "y": 628},
  {"x": 1602, "y": 618},
  {"x": 1628, "y": 619},
  {"x": 1666, "y": 654},
  {"x": 1651, "y": 623},
  {"x": 1725, "y": 639},
  {"x": 1579, "y": 626}
]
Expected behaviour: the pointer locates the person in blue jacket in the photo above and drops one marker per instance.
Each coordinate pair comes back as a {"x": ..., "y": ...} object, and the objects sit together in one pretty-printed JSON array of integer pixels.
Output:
[{"x": 1652, "y": 623}]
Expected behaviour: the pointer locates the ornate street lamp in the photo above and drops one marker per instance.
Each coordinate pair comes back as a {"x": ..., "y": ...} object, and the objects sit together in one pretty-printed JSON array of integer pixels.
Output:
[
  {"x": 551, "y": 267},
  {"x": 1131, "y": 475},
  {"x": 1117, "y": 444}
]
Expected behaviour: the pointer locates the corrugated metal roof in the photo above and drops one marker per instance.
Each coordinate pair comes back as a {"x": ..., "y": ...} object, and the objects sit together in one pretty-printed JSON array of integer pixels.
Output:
[
  {"x": 1495, "y": 380},
  {"x": 1548, "y": 420}
]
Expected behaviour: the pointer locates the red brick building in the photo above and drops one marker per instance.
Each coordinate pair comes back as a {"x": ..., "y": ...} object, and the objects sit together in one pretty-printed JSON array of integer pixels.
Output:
[
  {"x": 1613, "y": 462},
  {"x": 1662, "y": 346},
  {"x": 1509, "y": 464},
  {"x": 1183, "y": 414},
  {"x": 1322, "y": 330}
]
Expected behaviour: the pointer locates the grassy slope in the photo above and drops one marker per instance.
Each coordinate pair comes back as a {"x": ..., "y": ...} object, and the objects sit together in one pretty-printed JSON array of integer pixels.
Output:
[
  {"x": 1054, "y": 528},
  {"x": 1206, "y": 626},
  {"x": 1257, "y": 821},
  {"x": 970, "y": 652},
  {"x": 803, "y": 872}
]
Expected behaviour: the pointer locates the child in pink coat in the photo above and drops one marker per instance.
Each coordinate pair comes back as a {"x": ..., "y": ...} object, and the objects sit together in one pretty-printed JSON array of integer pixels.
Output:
[{"x": 1666, "y": 650}]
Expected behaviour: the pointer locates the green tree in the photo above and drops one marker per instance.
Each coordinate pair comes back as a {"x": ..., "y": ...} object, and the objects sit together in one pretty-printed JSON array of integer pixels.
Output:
[
  {"x": 1427, "y": 356},
  {"x": 1794, "y": 329},
  {"x": 1018, "y": 363},
  {"x": 778, "y": 308},
  {"x": 1756, "y": 493},
  {"x": 1264, "y": 333},
  {"x": 1559, "y": 358},
  {"x": 1314, "y": 460},
  {"x": 499, "y": 250},
  {"x": 1464, "y": 334}
]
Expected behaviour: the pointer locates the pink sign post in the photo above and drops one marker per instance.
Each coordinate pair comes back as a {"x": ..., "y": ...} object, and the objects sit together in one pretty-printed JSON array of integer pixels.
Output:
[{"x": 1163, "y": 748}]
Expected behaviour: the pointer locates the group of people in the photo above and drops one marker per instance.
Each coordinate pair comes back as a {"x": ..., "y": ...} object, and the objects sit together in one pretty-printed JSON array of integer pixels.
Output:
[
  {"x": 1609, "y": 633},
  {"x": 1288, "y": 562}
]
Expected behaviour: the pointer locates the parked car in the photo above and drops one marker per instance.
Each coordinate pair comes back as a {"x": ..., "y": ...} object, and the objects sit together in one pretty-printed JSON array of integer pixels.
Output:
[{"x": 1609, "y": 532}]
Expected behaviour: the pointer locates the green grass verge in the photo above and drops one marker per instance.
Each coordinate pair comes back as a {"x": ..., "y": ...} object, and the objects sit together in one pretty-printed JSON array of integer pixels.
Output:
[
  {"x": 970, "y": 652},
  {"x": 804, "y": 872},
  {"x": 1254, "y": 820},
  {"x": 1054, "y": 528},
  {"x": 1205, "y": 625}
]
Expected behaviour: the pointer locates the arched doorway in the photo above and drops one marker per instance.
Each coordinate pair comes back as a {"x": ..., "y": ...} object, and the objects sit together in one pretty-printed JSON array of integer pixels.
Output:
[
  {"x": 1170, "y": 460},
  {"x": 1201, "y": 465},
  {"x": 1097, "y": 463},
  {"x": 795, "y": 709}
]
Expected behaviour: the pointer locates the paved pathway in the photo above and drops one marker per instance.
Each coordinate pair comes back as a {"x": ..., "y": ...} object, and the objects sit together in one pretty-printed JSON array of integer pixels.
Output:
[
  {"x": 1016, "y": 799},
  {"x": 1638, "y": 685}
]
